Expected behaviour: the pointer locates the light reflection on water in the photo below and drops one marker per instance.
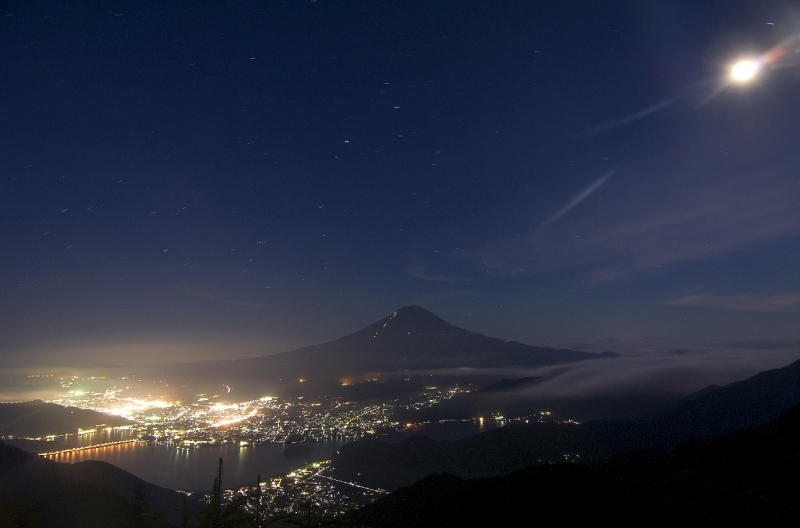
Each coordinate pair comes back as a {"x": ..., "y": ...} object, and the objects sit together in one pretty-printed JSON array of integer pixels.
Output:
[
  {"x": 195, "y": 469},
  {"x": 449, "y": 430},
  {"x": 100, "y": 437}
]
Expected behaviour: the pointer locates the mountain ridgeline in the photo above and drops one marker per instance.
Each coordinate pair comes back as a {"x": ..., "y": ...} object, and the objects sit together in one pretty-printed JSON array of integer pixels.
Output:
[
  {"x": 400, "y": 355},
  {"x": 413, "y": 338}
]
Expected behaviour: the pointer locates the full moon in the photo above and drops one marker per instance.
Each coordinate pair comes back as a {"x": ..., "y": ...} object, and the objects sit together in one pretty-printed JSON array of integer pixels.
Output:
[{"x": 745, "y": 70}]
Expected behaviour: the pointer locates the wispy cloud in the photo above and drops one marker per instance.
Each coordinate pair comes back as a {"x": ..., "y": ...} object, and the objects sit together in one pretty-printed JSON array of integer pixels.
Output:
[
  {"x": 782, "y": 302},
  {"x": 680, "y": 365},
  {"x": 419, "y": 273},
  {"x": 646, "y": 222},
  {"x": 578, "y": 199},
  {"x": 656, "y": 368},
  {"x": 685, "y": 371},
  {"x": 616, "y": 123}
]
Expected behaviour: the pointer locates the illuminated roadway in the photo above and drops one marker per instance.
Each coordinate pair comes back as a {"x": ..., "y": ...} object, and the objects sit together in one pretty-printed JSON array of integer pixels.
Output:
[{"x": 84, "y": 448}]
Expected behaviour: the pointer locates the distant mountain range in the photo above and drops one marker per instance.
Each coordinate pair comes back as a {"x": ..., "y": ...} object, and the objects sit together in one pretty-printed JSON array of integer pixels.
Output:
[{"x": 709, "y": 414}]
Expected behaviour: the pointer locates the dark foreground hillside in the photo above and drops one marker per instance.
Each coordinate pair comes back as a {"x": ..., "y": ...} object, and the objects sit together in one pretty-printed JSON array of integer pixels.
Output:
[
  {"x": 38, "y": 492},
  {"x": 34, "y": 493},
  {"x": 744, "y": 478}
]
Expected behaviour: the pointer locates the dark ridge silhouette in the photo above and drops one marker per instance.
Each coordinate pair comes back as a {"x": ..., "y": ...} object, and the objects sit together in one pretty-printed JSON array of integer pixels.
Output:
[
  {"x": 735, "y": 407},
  {"x": 701, "y": 392},
  {"x": 713, "y": 412},
  {"x": 745, "y": 478},
  {"x": 111, "y": 479},
  {"x": 37, "y": 419},
  {"x": 36, "y": 492},
  {"x": 36, "y": 446}
]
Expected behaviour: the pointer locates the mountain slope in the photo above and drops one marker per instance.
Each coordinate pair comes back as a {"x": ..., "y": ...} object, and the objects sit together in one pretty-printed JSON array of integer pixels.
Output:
[
  {"x": 109, "y": 478},
  {"x": 413, "y": 338},
  {"x": 743, "y": 479},
  {"x": 34, "y": 493},
  {"x": 714, "y": 411},
  {"x": 38, "y": 492}
]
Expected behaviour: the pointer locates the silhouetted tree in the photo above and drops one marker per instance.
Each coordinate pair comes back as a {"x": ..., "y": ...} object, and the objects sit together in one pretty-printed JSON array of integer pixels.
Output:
[
  {"x": 142, "y": 514},
  {"x": 186, "y": 514},
  {"x": 215, "y": 515},
  {"x": 258, "y": 506},
  {"x": 260, "y": 518},
  {"x": 216, "y": 497},
  {"x": 258, "y": 501}
]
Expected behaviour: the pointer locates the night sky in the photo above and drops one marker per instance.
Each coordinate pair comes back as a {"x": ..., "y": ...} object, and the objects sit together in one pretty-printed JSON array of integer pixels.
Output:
[{"x": 193, "y": 180}]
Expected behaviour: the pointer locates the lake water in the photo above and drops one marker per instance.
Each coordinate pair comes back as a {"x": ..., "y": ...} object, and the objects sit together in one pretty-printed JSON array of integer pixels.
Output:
[
  {"x": 449, "y": 430},
  {"x": 195, "y": 469}
]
